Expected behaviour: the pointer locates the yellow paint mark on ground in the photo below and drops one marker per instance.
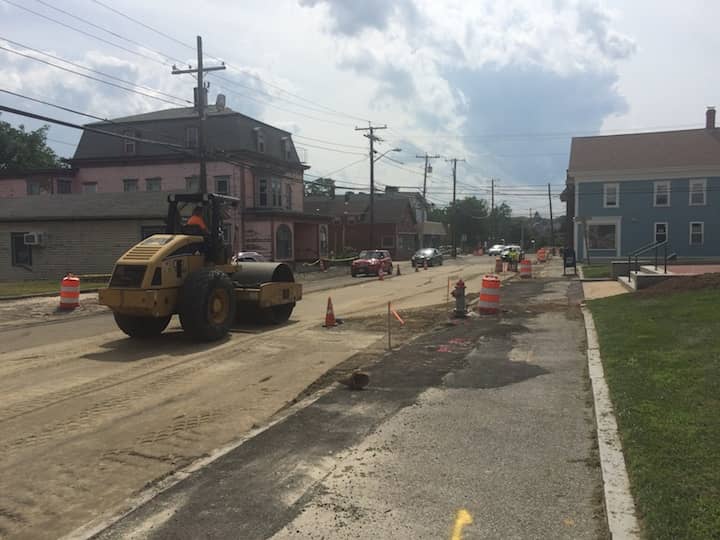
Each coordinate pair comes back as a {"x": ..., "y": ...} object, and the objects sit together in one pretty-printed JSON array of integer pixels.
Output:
[{"x": 463, "y": 518}]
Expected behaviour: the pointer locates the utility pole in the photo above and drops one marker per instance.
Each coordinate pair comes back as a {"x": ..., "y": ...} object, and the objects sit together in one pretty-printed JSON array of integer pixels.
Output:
[
  {"x": 201, "y": 105},
  {"x": 492, "y": 210},
  {"x": 552, "y": 231},
  {"x": 454, "y": 208},
  {"x": 371, "y": 136},
  {"x": 425, "y": 173}
]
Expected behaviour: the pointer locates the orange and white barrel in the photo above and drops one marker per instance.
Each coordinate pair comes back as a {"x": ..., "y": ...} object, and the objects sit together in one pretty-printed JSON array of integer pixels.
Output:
[
  {"x": 498, "y": 265},
  {"x": 525, "y": 269},
  {"x": 489, "y": 302},
  {"x": 69, "y": 292}
]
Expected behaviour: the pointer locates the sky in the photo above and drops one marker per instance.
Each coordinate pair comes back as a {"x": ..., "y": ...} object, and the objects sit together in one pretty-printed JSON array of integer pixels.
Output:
[{"x": 503, "y": 85}]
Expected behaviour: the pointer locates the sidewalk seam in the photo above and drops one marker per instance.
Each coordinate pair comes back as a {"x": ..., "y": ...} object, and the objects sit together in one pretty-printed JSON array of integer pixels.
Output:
[{"x": 619, "y": 504}]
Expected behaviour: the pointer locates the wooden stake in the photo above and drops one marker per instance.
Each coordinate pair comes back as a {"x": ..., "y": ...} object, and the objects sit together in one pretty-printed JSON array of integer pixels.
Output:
[{"x": 388, "y": 328}]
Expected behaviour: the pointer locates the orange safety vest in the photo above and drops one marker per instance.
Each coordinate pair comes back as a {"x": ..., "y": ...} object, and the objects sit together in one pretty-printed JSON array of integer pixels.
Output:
[{"x": 197, "y": 220}]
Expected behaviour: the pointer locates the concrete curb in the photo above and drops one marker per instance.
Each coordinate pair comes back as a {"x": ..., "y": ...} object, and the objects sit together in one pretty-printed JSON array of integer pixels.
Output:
[{"x": 619, "y": 503}]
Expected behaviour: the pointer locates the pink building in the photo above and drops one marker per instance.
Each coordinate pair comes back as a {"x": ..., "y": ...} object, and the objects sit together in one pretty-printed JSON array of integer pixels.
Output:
[{"x": 246, "y": 158}]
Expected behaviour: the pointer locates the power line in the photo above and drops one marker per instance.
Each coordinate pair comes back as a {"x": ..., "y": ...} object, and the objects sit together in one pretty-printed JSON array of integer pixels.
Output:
[
  {"x": 88, "y": 76},
  {"x": 67, "y": 109},
  {"x": 179, "y": 42},
  {"x": 80, "y": 66},
  {"x": 88, "y": 34},
  {"x": 329, "y": 142}
]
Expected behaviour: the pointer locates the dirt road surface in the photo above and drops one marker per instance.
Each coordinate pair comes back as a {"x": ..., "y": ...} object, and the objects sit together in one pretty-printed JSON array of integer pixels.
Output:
[{"x": 86, "y": 421}]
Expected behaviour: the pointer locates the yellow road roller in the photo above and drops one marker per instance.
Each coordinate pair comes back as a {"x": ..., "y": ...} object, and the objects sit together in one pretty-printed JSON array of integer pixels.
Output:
[{"x": 188, "y": 271}]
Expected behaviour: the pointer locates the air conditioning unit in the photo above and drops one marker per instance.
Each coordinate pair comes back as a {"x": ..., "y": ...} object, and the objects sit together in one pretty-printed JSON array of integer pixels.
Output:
[{"x": 34, "y": 239}]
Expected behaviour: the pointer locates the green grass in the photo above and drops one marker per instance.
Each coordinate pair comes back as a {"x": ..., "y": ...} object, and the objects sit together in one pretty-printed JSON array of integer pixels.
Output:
[
  {"x": 662, "y": 363},
  {"x": 597, "y": 271},
  {"x": 19, "y": 288}
]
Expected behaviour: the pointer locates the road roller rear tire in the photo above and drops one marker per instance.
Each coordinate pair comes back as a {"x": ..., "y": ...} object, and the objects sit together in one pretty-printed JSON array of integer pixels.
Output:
[
  {"x": 277, "y": 314},
  {"x": 207, "y": 305},
  {"x": 141, "y": 327}
]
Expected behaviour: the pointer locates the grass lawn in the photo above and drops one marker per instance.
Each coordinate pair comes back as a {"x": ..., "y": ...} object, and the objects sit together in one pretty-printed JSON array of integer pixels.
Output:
[
  {"x": 661, "y": 355},
  {"x": 17, "y": 288},
  {"x": 597, "y": 270}
]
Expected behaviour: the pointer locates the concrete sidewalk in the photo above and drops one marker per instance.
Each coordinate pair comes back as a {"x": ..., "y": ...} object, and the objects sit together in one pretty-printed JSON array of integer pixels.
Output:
[{"x": 489, "y": 420}]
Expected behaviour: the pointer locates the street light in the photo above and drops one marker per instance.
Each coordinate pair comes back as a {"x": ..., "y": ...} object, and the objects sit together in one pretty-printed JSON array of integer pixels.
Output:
[
  {"x": 387, "y": 152},
  {"x": 372, "y": 194}
]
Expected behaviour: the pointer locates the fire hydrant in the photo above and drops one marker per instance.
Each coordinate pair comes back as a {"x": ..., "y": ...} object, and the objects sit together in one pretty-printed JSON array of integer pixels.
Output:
[{"x": 459, "y": 294}]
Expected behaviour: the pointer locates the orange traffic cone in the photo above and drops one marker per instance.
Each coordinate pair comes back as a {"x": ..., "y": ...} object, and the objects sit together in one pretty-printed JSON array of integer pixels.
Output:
[
  {"x": 381, "y": 274},
  {"x": 329, "y": 315}
]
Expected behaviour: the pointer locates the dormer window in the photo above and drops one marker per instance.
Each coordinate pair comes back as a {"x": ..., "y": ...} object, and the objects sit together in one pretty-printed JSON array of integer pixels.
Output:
[
  {"x": 259, "y": 140},
  {"x": 191, "y": 137},
  {"x": 129, "y": 144},
  {"x": 286, "y": 148}
]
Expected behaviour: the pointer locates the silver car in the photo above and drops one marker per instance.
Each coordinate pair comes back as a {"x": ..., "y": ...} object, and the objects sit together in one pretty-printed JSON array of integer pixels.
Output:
[
  {"x": 248, "y": 256},
  {"x": 497, "y": 249}
]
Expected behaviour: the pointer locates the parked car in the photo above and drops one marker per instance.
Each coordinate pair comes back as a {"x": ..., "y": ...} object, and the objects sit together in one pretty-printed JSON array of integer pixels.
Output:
[
  {"x": 248, "y": 256},
  {"x": 496, "y": 250},
  {"x": 505, "y": 254},
  {"x": 370, "y": 261},
  {"x": 431, "y": 255}
]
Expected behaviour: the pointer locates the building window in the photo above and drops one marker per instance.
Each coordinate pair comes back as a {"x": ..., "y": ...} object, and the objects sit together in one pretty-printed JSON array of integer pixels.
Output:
[
  {"x": 259, "y": 140},
  {"x": 698, "y": 190},
  {"x": 662, "y": 193},
  {"x": 222, "y": 185},
  {"x": 697, "y": 233},
  {"x": 276, "y": 193},
  {"x": 21, "y": 254},
  {"x": 192, "y": 184},
  {"x": 33, "y": 187},
  {"x": 388, "y": 242},
  {"x": 64, "y": 186},
  {"x": 89, "y": 187},
  {"x": 153, "y": 184},
  {"x": 129, "y": 144},
  {"x": 661, "y": 232},
  {"x": 288, "y": 196},
  {"x": 130, "y": 184},
  {"x": 611, "y": 195},
  {"x": 191, "y": 137},
  {"x": 262, "y": 192},
  {"x": 286, "y": 148},
  {"x": 148, "y": 230},
  {"x": 283, "y": 242},
  {"x": 323, "y": 234},
  {"x": 602, "y": 236}
]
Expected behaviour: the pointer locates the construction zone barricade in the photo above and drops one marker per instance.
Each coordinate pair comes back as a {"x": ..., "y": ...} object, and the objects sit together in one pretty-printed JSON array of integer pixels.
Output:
[
  {"x": 525, "y": 269},
  {"x": 489, "y": 301},
  {"x": 69, "y": 292}
]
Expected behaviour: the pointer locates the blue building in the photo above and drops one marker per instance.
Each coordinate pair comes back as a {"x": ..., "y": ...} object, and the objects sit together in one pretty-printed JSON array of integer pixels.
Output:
[{"x": 627, "y": 191}]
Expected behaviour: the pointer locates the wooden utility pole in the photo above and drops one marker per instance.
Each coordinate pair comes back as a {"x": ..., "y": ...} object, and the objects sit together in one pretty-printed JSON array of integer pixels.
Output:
[
  {"x": 454, "y": 208},
  {"x": 201, "y": 106},
  {"x": 425, "y": 173},
  {"x": 371, "y": 136},
  {"x": 552, "y": 229}
]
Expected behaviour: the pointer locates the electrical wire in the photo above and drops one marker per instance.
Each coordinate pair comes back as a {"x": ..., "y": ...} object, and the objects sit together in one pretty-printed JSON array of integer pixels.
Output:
[
  {"x": 68, "y": 70},
  {"x": 67, "y": 109}
]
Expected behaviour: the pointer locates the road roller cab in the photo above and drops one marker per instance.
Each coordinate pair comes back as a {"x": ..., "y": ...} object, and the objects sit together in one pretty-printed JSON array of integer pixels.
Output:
[{"x": 188, "y": 271}]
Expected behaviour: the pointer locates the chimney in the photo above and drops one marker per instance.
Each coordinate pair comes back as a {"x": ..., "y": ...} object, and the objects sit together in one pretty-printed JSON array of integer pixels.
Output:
[{"x": 710, "y": 118}]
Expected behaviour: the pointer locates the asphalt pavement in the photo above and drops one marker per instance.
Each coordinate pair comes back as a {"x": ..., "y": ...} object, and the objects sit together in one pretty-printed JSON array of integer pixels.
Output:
[{"x": 482, "y": 428}]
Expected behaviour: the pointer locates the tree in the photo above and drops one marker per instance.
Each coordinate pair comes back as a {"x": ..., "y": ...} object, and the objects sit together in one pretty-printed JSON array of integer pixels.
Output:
[
  {"x": 322, "y": 186},
  {"x": 470, "y": 216},
  {"x": 22, "y": 150}
]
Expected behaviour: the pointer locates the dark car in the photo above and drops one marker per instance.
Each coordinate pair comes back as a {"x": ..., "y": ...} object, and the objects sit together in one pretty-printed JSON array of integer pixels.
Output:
[
  {"x": 431, "y": 255},
  {"x": 370, "y": 261}
]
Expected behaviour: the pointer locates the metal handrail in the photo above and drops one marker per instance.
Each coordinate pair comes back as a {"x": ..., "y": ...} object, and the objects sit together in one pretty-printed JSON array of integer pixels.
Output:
[{"x": 644, "y": 249}]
